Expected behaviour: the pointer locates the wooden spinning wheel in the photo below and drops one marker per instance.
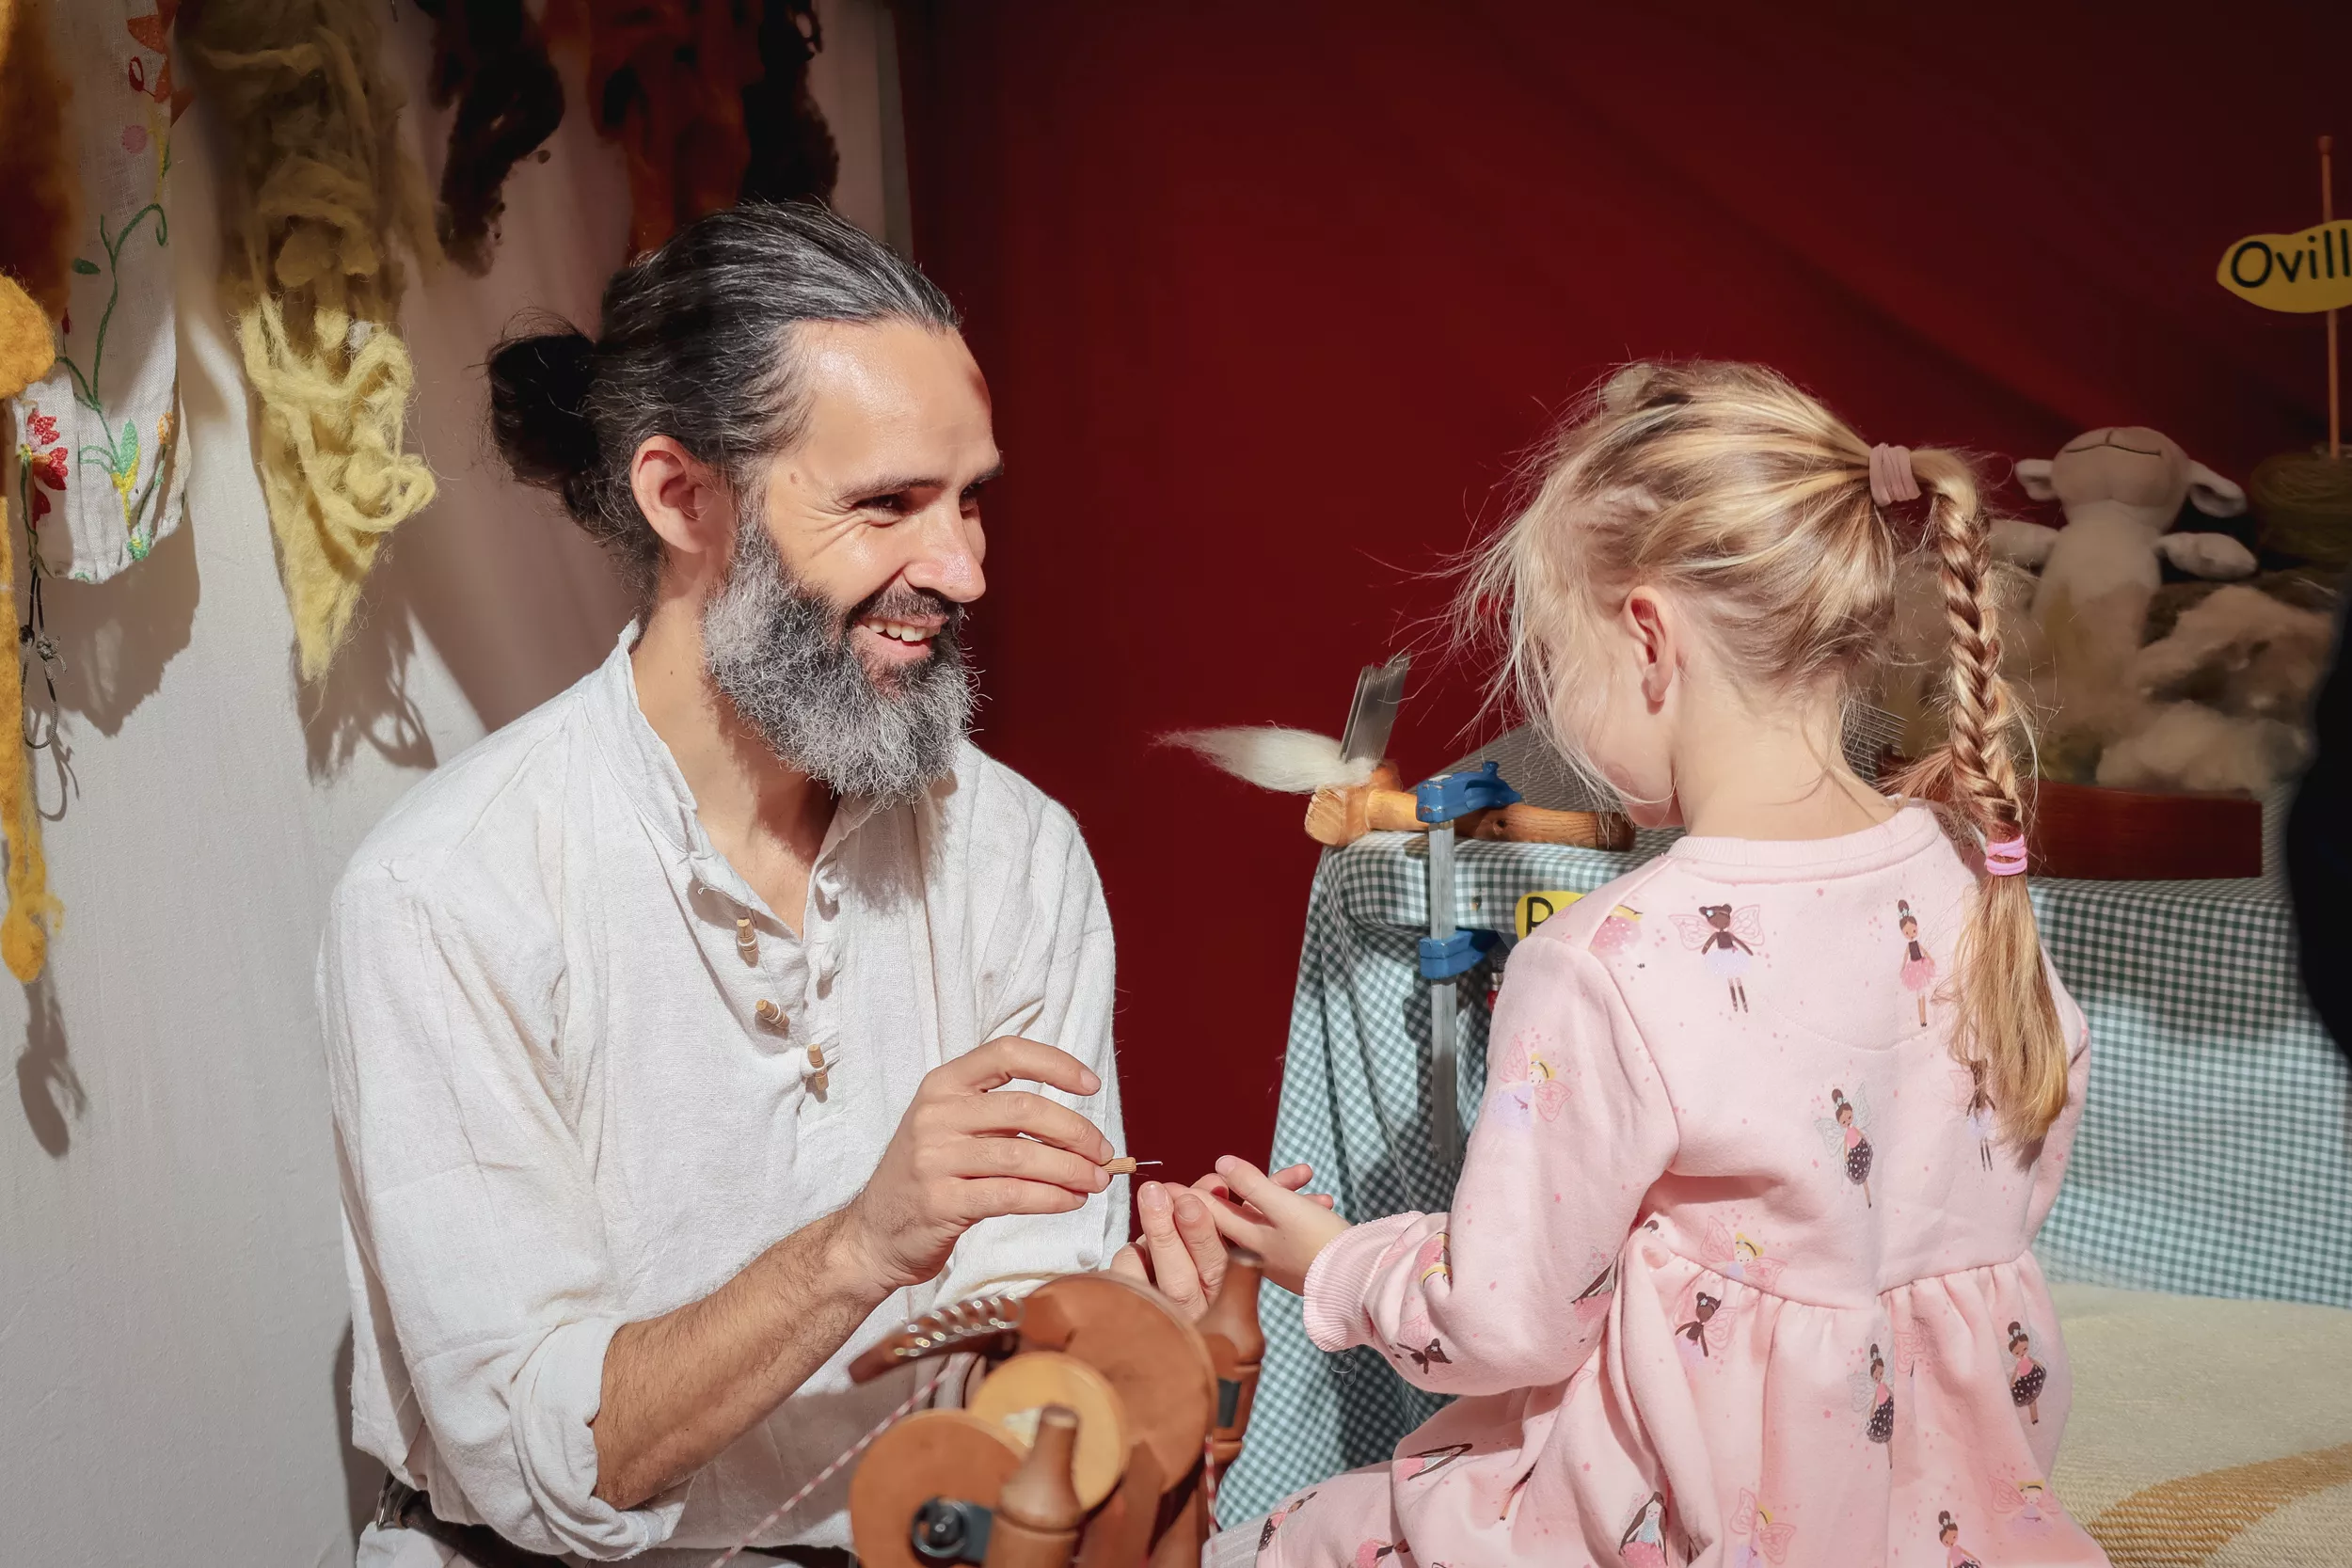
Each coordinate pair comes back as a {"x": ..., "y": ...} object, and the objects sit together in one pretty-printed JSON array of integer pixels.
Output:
[{"x": 1087, "y": 1441}]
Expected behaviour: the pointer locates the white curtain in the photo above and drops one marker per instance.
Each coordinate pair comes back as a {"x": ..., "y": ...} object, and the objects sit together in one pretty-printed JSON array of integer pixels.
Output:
[{"x": 173, "y": 1330}]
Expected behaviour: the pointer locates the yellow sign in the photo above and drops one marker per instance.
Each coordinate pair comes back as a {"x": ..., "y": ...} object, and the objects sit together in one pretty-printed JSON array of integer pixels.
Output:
[
  {"x": 2301, "y": 273},
  {"x": 1536, "y": 907}
]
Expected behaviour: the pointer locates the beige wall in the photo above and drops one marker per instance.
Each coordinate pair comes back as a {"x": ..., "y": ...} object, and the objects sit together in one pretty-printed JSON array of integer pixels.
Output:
[{"x": 173, "y": 1332}]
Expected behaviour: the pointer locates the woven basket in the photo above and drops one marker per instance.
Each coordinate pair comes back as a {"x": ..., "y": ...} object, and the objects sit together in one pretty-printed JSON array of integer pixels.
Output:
[{"x": 2304, "y": 501}]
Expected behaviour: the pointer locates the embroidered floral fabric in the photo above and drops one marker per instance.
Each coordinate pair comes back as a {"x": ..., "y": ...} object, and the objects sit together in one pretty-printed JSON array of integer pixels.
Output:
[{"x": 101, "y": 467}]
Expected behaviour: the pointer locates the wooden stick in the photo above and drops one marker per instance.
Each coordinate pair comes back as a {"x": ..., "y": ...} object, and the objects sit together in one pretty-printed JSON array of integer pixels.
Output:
[
  {"x": 1340, "y": 816},
  {"x": 2328, "y": 215},
  {"x": 1125, "y": 1164}
]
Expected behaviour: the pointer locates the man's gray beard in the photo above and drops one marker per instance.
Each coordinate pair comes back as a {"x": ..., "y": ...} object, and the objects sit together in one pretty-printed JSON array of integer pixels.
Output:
[{"x": 783, "y": 656}]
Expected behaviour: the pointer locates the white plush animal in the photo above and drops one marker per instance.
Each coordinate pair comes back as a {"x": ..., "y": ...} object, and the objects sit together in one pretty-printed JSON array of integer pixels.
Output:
[
  {"x": 2121, "y": 487},
  {"x": 2234, "y": 678}
]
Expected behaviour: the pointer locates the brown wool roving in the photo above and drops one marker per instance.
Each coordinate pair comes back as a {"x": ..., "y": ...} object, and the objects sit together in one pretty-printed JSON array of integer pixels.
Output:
[
  {"x": 36, "y": 167},
  {"x": 489, "y": 60}
]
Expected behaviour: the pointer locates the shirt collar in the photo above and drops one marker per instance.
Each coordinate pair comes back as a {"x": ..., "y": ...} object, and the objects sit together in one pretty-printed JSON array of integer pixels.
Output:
[{"x": 649, "y": 776}]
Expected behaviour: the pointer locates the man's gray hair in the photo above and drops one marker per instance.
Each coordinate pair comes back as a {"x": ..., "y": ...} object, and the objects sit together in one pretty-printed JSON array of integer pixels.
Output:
[{"x": 699, "y": 345}]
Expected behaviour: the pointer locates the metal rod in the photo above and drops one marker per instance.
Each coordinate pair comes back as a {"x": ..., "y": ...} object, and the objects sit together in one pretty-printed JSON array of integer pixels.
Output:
[
  {"x": 2327, "y": 217},
  {"x": 1445, "y": 1127}
]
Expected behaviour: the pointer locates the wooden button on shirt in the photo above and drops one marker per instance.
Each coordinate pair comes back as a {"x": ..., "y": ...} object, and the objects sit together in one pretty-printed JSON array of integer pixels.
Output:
[{"x": 568, "y": 1096}]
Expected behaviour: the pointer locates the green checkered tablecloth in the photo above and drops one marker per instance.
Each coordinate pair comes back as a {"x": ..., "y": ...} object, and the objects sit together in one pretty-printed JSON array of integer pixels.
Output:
[{"x": 2215, "y": 1156}]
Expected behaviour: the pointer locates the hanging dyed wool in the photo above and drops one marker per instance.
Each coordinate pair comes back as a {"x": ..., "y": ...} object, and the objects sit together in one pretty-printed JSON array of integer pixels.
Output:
[
  {"x": 316, "y": 196},
  {"x": 666, "y": 79},
  {"x": 26, "y": 352},
  {"x": 794, "y": 157},
  {"x": 36, "y": 167},
  {"x": 708, "y": 100},
  {"x": 489, "y": 60}
]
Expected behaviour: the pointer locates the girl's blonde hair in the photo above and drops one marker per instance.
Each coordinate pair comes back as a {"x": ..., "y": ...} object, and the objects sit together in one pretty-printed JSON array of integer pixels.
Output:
[{"x": 1742, "y": 495}]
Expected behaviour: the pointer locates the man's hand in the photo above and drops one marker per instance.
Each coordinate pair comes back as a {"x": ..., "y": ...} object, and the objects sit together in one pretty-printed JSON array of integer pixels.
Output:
[
  {"x": 1285, "y": 1228},
  {"x": 1180, "y": 1252},
  {"x": 680, "y": 1388},
  {"x": 968, "y": 1149}
]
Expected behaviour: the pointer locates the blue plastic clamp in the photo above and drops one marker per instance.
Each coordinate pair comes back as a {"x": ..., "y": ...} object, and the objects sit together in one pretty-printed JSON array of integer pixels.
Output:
[
  {"x": 1443, "y": 958},
  {"x": 1451, "y": 795}
]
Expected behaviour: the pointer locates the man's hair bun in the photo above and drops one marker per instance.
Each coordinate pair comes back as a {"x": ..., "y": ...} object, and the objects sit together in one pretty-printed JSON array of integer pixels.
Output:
[
  {"x": 540, "y": 388},
  {"x": 695, "y": 344}
]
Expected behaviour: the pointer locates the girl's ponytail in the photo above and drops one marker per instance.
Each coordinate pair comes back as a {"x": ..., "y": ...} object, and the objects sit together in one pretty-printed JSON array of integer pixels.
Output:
[{"x": 2009, "y": 1022}]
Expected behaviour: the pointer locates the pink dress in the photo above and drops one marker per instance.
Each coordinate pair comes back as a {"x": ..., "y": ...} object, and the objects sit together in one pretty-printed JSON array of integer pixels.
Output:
[{"x": 1859, "y": 1386}]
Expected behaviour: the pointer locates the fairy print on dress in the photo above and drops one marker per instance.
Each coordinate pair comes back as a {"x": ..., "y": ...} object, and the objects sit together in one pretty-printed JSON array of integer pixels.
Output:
[
  {"x": 1918, "y": 969},
  {"x": 1705, "y": 1326},
  {"x": 1735, "y": 1255},
  {"x": 1369, "y": 1553},
  {"x": 1530, "y": 1088},
  {"x": 2025, "y": 1502},
  {"x": 1975, "y": 1101},
  {"x": 1844, "y": 1132},
  {"x": 1430, "y": 1354},
  {"x": 1725, "y": 940},
  {"x": 1912, "y": 1352},
  {"x": 1618, "y": 932},
  {"x": 1433, "y": 1262},
  {"x": 1871, "y": 1393},
  {"x": 2026, "y": 1376},
  {"x": 1429, "y": 1460},
  {"x": 1592, "y": 1303},
  {"x": 1644, "y": 1543},
  {"x": 1762, "y": 1538},
  {"x": 1274, "y": 1520},
  {"x": 1955, "y": 1555}
]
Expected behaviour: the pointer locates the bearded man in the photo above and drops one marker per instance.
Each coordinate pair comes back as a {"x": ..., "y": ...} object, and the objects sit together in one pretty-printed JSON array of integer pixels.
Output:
[{"x": 668, "y": 1028}]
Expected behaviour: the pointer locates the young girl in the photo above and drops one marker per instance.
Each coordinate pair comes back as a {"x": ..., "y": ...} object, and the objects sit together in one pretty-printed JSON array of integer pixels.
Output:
[{"x": 1701, "y": 578}]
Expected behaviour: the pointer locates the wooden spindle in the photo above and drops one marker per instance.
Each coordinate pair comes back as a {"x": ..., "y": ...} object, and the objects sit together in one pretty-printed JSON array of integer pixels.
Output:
[
  {"x": 1037, "y": 1512},
  {"x": 1237, "y": 1348}
]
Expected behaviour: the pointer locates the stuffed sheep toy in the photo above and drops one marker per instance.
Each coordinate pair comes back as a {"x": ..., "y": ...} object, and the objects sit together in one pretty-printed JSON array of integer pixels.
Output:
[{"x": 2121, "y": 487}]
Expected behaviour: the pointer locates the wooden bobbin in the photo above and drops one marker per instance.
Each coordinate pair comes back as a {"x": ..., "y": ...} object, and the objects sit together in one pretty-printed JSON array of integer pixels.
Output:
[
  {"x": 1015, "y": 1393},
  {"x": 1144, "y": 1349}
]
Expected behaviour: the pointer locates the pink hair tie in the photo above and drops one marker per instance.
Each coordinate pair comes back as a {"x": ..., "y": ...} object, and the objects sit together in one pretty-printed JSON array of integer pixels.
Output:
[
  {"x": 1891, "y": 479},
  {"x": 2005, "y": 857}
]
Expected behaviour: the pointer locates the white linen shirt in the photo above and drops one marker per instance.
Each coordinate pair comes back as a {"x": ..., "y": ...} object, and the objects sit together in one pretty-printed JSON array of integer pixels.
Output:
[{"x": 559, "y": 1110}]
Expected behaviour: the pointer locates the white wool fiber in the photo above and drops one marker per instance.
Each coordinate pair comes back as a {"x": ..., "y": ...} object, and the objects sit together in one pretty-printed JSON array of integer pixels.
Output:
[{"x": 1296, "y": 762}]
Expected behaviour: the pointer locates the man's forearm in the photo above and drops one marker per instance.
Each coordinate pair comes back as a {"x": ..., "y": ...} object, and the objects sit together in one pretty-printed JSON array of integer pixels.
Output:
[{"x": 680, "y": 1388}]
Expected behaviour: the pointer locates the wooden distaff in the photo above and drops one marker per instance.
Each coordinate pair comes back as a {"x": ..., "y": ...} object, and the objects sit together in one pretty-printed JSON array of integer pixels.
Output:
[{"x": 1340, "y": 816}]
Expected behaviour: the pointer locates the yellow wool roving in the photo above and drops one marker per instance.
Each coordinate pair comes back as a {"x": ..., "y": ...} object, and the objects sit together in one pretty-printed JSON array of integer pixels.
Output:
[
  {"x": 26, "y": 352},
  {"x": 315, "y": 199}
]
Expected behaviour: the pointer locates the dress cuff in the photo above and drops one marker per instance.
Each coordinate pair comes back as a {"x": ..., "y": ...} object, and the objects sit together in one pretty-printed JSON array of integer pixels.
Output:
[
  {"x": 557, "y": 1395},
  {"x": 1337, "y": 1278}
]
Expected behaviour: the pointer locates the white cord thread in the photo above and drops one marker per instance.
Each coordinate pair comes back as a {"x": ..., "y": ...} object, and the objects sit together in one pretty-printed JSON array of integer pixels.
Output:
[{"x": 831, "y": 1470}]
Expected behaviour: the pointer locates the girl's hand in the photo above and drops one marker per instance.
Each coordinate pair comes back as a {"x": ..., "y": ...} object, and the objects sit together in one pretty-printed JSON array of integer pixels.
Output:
[
  {"x": 1180, "y": 1252},
  {"x": 1285, "y": 1228}
]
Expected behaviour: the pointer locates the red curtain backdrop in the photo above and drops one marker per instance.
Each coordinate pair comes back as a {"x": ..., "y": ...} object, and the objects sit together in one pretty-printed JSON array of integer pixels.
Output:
[{"x": 1270, "y": 295}]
